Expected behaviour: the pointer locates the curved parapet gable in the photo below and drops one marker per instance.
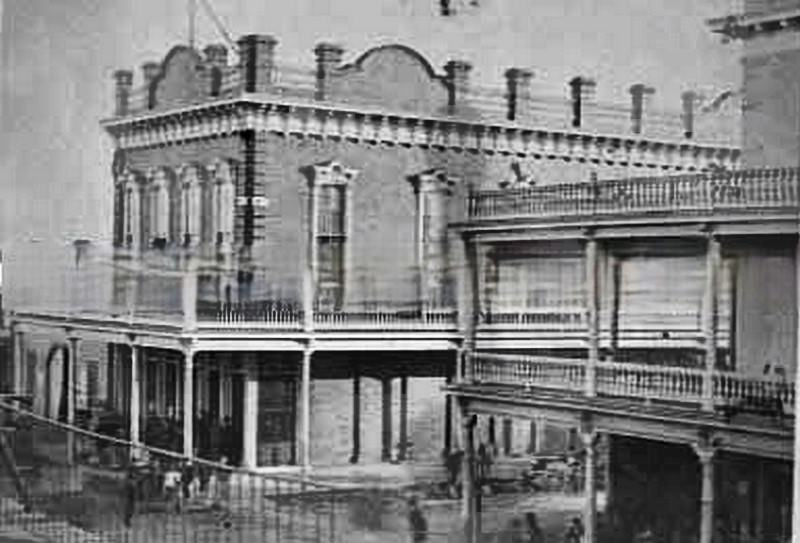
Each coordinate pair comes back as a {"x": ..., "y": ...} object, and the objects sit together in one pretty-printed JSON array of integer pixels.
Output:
[
  {"x": 393, "y": 77},
  {"x": 180, "y": 81}
]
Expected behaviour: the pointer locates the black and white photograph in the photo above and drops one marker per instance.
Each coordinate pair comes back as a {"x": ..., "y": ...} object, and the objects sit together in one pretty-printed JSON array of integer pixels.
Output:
[{"x": 399, "y": 271}]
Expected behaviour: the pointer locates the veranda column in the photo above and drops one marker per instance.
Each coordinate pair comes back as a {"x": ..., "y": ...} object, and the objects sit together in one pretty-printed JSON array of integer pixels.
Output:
[
  {"x": 305, "y": 394},
  {"x": 709, "y": 320},
  {"x": 386, "y": 416},
  {"x": 72, "y": 373},
  {"x": 189, "y": 293},
  {"x": 592, "y": 313},
  {"x": 469, "y": 512},
  {"x": 19, "y": 362},
  {"x": 356, "y": 414},
  {"x": 403, "y": 452},
  {"x": 135, "y": 398},
  {"x": 250, "y": 422},
  {"x": 705, "y": 455},
  {"x": 188, "y": 402},
  {"x": 590, "y": 490}
]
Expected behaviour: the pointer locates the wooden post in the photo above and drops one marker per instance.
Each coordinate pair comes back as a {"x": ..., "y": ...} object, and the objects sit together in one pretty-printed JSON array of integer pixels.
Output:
[
  {"x": 386, "y": 412},
  {"x": 709, "y": 321},
  {"x": 305, "y": 398},
  {"x": 73, "y": 361},
  {"x": 469, "y": 512},
  {"x": 590, "y": 490},
  {"x": 403, "y": 452},
  {"x": 135, "y": 400},
  {"x": 250, "y": 413},
  {"x": 706, "y": 457},
  {"x": 592, "y": 315},
  {"x": 188, "y": 403},
  {"x": 356, "y": 414}
]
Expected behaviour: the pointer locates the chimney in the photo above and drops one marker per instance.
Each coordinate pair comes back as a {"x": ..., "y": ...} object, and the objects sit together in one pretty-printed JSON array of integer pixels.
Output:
[
  {"x": 216, "y": 60},
  {"x": 518, "y": 84},
  {"x": 149, "y": 72},
  {"x": 688, "y": 100},
  {"x": 581, "y": 92},
  {"x": 457, "y": 77},
  {"x": 124, "y": 82},
  {"x": 258, "y": 61},
  {"x": 639, "y": 95},
  {"x": 329, "y": 57}
]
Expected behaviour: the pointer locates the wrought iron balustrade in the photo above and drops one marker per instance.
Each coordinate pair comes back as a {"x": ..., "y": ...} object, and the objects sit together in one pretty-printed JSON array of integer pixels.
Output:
[{"x": 733, "y": 191}]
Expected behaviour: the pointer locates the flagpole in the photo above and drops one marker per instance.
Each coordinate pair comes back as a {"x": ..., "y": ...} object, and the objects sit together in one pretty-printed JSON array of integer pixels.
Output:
[{"x": 192, "y": 21}]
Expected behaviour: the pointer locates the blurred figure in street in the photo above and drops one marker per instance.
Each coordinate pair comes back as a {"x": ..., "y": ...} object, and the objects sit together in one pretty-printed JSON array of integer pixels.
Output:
[
  {"x": 575, "y": 531},
  {"x": 172, "y": 488},
  {"x": 417, "y": 522},
  {"x": 535, "y": 534}
]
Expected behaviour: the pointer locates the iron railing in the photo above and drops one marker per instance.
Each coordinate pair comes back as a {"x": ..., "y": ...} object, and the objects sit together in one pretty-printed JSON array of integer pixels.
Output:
[{"x": 732, "y": 191}]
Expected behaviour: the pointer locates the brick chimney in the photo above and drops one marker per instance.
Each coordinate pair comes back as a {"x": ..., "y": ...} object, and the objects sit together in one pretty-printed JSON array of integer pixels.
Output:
[
  {"x": 518, "y": 85},
  {"x": 124, "y": 82},
  {"x": 149, "y": 72},
  {"x": 258, "y": 61},
  {"x": 457, "y": 77},
  {"x": 329, "y": 57},
  {"x": 688, "y": 101},
  {"x": 216, "y": 60},
  {"x": 581, "y": 92},
  {"x": 639, "y": 96}
]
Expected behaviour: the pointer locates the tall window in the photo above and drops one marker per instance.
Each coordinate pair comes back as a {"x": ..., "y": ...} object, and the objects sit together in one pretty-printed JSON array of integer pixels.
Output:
[
  {"x": 329, "y": 225},
  {"x": 432, "y": 189},
  {"x": 331, "y": 239},
  {"x": 549, "y": 286}
]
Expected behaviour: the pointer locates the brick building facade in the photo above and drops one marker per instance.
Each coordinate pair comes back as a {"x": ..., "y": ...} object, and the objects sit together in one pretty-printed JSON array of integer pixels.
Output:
[{"x": 282, "y": 260}]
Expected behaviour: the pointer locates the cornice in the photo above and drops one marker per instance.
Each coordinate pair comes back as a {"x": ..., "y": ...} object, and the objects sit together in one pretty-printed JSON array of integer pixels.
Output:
[{"x": 373, "y": 127}]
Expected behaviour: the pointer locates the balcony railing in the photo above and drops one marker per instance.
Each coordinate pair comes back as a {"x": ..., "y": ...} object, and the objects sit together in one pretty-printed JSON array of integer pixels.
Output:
[
  {"x": 731, "y": 392},
  {"x": 289, "y": 315},
  {"x": 537, "y": 318},
  {"x": 734, "y": 191}
]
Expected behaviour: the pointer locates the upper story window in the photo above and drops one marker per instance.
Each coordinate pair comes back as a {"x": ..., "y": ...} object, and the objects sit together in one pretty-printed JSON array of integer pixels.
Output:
[
  {"x": 432, "y": 189},
  {"x": 329, "y": 230}
]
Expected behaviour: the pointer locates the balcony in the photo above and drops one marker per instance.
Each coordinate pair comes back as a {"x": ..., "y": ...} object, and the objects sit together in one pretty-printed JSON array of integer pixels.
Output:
[
  {"x": 731, "y": 393},
  {"x": 286, "y": 315},
  {"x": 703, "y": 195}
]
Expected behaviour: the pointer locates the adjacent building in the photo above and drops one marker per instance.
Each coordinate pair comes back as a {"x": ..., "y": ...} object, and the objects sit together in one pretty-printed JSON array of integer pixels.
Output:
[{"x": 659, "y": 315}]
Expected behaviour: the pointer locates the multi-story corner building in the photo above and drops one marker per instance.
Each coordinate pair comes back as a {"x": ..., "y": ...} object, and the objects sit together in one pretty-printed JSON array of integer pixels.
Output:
[
  {"x": 660, "y": 316},
  {"x": 282, "y": 262}
]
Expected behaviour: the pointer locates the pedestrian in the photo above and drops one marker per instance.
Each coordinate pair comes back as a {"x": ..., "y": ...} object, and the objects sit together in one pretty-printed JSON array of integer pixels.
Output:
[
  {"x": 129, "y": 508},
  {"x": 574, "y": 533},
  {"x": 172, "y": 489},
  {"x": 535, "y": 534},
  {"x": 417, "y": 522}
]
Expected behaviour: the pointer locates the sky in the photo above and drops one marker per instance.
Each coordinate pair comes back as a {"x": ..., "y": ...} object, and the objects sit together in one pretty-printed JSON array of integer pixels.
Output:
[{"x": 58, "y": 56}]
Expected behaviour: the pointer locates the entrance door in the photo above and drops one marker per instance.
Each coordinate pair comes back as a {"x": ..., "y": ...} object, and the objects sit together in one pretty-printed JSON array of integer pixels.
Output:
[{"x": 237, "y": 418}]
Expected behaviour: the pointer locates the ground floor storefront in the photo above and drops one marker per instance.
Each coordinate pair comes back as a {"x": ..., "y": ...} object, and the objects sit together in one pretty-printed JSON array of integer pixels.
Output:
[{"x": 656, "y": 487}]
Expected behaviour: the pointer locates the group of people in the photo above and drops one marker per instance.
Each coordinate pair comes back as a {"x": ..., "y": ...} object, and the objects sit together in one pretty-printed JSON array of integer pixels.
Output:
[
  {"x": 453, "y": 463},
  {"x": 175, "y": 483}
]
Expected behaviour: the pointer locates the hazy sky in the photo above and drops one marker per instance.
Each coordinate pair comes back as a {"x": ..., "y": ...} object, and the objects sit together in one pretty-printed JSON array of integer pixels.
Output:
[{"x": 58, "y": 57}]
